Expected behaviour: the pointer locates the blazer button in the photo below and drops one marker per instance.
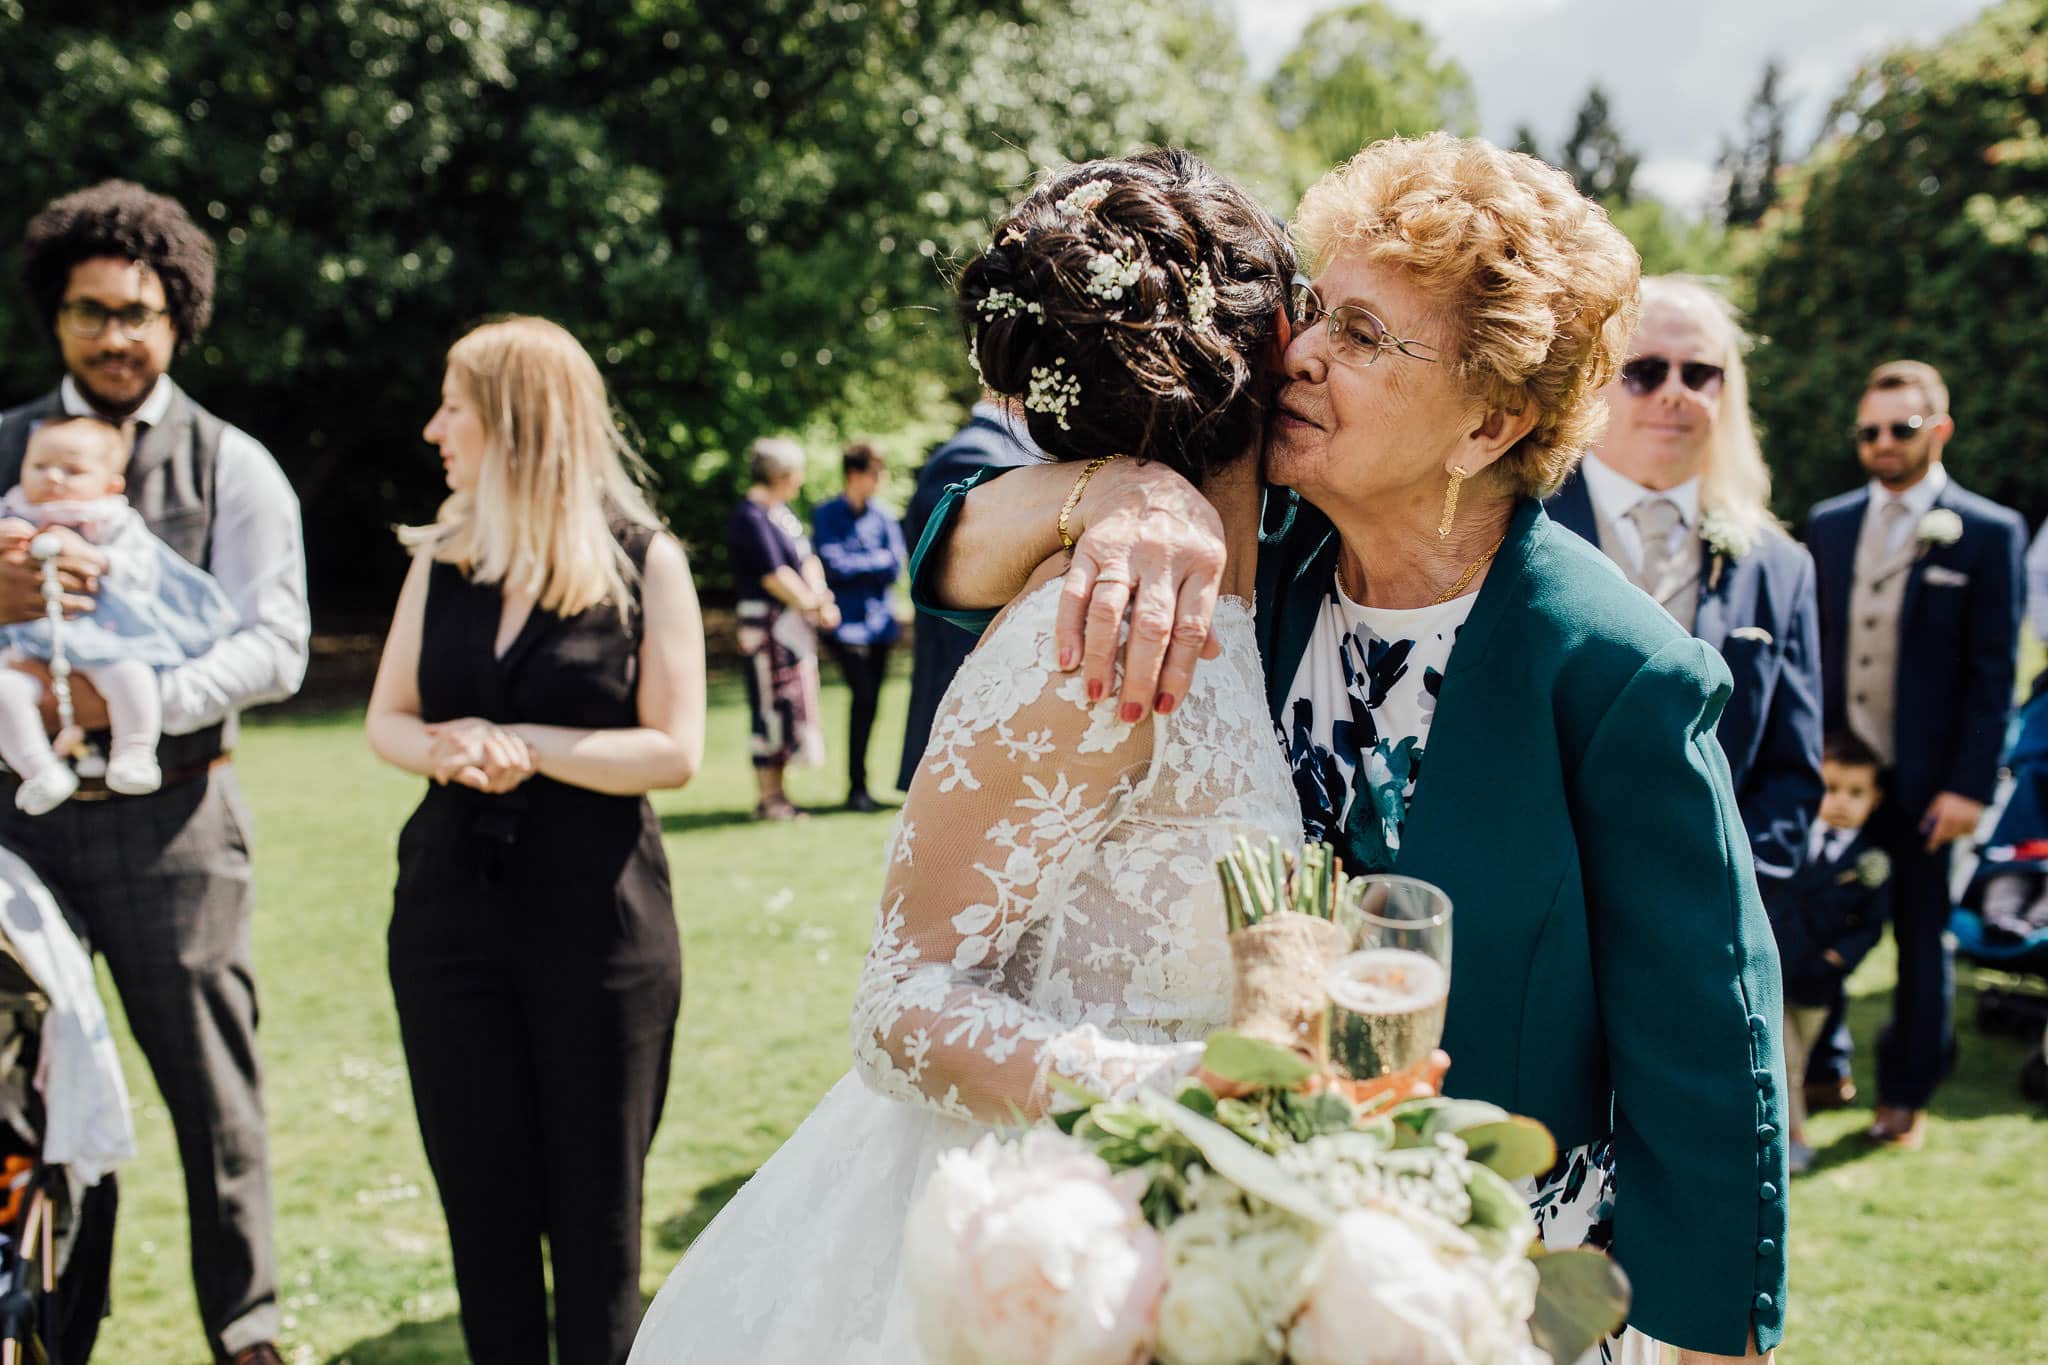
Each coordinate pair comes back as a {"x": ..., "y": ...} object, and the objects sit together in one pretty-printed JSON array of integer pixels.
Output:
[
  {"x": 1757, "y": 1023},
  {"x": 1765, "y": 1132},
  {"x": 1762, "y": 1078},
  {"x": 1767, "y": 1192},
  {"x": 1766, "y": 1247},
  {"x": 1763, "y": 1301}
]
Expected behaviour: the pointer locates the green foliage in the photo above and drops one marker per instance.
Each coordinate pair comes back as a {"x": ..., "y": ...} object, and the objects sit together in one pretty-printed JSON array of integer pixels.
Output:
[
  {"x": 1752, "y": 165},
  {"x": 1596, "y": 156},
  {"x": 1360, "y": 74},
  {"x": 1918, "y": 229},
  {"x": 1669, "y": 242},
  {"x": 747, "y": 210}
]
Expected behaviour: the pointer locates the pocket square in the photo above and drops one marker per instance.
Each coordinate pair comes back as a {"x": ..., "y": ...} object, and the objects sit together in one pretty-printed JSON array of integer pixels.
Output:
[
  {"x": 1934, "y": 576},
  {"x": 1756, "y": 633}
]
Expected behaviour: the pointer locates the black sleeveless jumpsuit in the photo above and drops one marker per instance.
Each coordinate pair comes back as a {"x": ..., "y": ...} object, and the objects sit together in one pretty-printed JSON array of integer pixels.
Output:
[{"x": 538, "y": 974}]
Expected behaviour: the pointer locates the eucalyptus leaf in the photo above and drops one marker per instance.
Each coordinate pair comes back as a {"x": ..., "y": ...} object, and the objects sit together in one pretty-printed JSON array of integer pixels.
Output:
[
  {"x": 1514, "y": 1149},
  {"x": 1237, "y": 1161},
  {"x": 1581, "y": 1296},
  {"x": 1500, "y": 1216},
  {"x": 1248, "y": 1061}
]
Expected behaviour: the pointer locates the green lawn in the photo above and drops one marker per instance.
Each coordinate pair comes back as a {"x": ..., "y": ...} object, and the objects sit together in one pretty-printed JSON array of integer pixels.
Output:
[{"x": 1896, "y": 1258}]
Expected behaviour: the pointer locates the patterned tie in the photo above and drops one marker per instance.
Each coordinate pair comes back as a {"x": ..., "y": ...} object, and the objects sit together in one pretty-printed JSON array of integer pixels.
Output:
[{"x": 1654, "y": 519}]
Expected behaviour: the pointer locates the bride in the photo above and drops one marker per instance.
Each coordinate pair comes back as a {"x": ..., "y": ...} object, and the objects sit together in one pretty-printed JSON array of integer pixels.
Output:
[{"x": 1050, "y": 905}]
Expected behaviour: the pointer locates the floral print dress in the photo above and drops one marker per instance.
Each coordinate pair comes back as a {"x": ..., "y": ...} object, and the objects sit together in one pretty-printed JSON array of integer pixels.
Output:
[{"x": 1356, "y": 731}]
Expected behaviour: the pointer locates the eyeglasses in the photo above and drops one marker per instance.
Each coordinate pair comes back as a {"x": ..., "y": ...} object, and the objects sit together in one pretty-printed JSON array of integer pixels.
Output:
[
  {"x": 1357, "y": 337},
  {"x": 86, "y": 319},
  {"x": 1901, "y": 431},
  {"x": 1647, "y": 373}
]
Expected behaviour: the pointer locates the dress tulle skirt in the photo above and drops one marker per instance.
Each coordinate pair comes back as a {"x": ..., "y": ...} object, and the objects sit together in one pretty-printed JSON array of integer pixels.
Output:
[{"x": 801, "y": 1268}]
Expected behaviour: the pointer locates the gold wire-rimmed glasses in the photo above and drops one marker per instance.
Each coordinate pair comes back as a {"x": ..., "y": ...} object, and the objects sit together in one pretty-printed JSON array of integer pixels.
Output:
[{"x": 1357, "y": 336}]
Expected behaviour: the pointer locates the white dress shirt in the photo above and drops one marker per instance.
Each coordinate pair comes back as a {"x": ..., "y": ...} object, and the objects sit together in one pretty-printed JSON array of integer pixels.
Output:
[
  {"x": 1919, "y": 501},
  {"x": 258, "y": 556},
  {"x": 1825, "y": 842},
  {"x": 1615, "y": 495}
]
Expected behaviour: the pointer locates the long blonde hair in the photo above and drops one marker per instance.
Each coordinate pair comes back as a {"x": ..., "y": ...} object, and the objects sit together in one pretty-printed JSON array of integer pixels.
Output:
[
  {"x": 1735, "y": 483},
  {"x": 557, "y": 473}
]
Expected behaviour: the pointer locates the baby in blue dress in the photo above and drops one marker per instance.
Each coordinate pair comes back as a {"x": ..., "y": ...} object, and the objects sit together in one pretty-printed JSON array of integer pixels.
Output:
[{"x": 154, "y": 611}]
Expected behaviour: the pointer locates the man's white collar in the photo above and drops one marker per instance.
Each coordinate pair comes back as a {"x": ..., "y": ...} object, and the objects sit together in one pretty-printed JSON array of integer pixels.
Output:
[{"x": 1614, "y": 493}]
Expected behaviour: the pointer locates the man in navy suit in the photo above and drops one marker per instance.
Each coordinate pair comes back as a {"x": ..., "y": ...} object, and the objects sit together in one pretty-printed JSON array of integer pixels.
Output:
[
  {"x": 1678, "y": 496},
  {"x": 991, "y": 439},
  {"x": 1920, "y": 600}
]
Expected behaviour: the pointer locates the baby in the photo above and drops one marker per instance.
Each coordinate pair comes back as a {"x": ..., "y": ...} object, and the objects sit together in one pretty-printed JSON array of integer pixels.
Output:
[{"x": 154, "y": 611}]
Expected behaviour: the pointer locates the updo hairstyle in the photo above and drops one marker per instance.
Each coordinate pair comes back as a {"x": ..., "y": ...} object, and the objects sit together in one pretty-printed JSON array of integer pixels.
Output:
[{"x": 1132, "y": 305}]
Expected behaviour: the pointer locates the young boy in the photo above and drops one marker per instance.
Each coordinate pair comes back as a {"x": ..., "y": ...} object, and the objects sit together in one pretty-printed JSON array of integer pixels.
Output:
[{"x": 1830, "y": 913}]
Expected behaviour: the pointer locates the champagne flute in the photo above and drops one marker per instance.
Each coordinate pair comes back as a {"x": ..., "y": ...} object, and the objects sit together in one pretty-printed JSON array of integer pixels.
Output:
[{"x": 1387, "y": 996}]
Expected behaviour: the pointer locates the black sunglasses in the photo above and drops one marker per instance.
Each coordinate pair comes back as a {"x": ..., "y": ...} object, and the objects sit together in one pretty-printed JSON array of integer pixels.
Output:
[
  {"x": 1646, "y": 374},
  {"x": 1901, "y": 431}
]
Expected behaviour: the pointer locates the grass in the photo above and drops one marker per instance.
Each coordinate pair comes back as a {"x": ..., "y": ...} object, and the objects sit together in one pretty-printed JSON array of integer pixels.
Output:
[{"x": 1901, "y": 1258}]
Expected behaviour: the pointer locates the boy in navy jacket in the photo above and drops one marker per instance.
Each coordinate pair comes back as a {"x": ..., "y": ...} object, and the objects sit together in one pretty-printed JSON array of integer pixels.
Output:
[{"x": 1830, "y": 913}]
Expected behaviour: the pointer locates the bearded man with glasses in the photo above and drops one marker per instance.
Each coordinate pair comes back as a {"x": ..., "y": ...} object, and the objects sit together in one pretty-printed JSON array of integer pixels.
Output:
[
  {"x": 1677, "y": 494},
  {"x": 160, "y": 884},
  {"x": 1920, "y": 601}
]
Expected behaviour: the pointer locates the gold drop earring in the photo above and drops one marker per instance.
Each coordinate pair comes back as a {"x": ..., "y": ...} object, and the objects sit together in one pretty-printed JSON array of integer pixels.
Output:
[{"x": 1443, "y": 527}]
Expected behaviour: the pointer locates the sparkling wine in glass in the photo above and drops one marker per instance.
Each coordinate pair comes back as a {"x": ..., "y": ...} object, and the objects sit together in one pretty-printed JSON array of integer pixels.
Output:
[{"x": 1387, "y": 996}]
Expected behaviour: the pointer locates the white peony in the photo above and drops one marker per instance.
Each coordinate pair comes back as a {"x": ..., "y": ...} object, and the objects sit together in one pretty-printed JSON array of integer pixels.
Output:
[
  {"x": 1385, "y": 1288},
  {"x": 1233, "y": 1279},
  {"x": 1032, "y": 1252}
]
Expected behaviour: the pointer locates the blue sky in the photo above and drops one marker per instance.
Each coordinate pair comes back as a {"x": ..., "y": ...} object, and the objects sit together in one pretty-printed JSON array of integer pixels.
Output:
[{"x": 1679, "y": 72}]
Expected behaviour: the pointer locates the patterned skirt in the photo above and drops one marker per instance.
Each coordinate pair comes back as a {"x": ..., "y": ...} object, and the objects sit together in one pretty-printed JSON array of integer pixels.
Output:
[{"x": 781, "y": 655}]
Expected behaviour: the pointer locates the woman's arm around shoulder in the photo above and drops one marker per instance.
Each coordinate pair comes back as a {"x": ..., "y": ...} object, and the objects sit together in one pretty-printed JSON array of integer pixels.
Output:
[
  {"x": 666, "y": 747},
  {"x": 1687, "y": 978}
]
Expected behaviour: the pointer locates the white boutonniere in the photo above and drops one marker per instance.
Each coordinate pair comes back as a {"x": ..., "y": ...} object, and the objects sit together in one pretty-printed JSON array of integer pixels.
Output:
[
  {"x": 1939, "y": 527},
  {"x": 1727, "y": 538},
  {"x": 1874, "y": 868}
]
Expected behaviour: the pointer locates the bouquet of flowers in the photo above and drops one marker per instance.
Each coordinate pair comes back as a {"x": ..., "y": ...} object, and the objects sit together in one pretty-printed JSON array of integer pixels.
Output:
[{"x": 1266, "y": 1214}]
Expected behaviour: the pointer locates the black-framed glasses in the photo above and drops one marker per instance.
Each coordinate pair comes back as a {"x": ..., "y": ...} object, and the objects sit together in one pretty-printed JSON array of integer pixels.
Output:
[
  {"x": 1647, "y": 373},
  {"x": 85, "y": 319},
  {"x": 1902, "y": 432},
  {"x": 1357, "y": 336}
]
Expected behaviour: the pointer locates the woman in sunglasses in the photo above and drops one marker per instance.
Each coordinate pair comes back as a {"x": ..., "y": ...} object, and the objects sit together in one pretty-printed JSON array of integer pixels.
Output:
[
  {"x": 1471, "y": 695},
  {"x": 1676, "y": 493}
]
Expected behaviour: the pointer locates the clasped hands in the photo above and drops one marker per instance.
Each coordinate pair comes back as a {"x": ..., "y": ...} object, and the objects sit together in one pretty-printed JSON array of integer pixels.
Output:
[{"x": 476, "y": 753}]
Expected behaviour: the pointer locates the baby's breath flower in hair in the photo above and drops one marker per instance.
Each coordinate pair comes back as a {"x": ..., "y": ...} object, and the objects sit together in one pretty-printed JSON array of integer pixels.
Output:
[
  {"x": 1112, "y": 272},
  {"x": 1012, "y": 236},
  {"x": 1084, "y": 200},
  {"x": 1003, "y": 303},
  {"x": 1053, "y": 390},
  {"x": 1201, "y": 297}
]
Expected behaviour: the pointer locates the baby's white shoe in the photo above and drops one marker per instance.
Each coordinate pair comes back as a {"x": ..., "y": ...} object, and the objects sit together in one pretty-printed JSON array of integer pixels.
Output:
[
  {"x": 133, "y": 774},
  {"x": 47, "y": 790}
]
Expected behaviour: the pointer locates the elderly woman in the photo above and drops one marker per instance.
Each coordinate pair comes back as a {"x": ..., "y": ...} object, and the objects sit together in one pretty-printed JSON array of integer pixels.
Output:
[
  {"x": 783, "y": 604},
  {"x": 1677, "y": 495},
  {"x": 1615, "y": 976}
]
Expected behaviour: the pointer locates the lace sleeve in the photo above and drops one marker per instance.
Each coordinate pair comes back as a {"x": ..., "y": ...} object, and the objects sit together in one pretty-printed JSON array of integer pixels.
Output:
[{"x": 1022, "y": 782}]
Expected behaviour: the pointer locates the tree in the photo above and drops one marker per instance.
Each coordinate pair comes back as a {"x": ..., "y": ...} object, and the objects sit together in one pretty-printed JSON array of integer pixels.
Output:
[
  {"x": 747, "y": 210},
  {"x": 1364, "y": 73},
  {"x": 1918, "y": 228},
  {"x": 1525, "y": 142},
  {"x": 1596, "y": 157},
  {"x": 1751, "y": 167}
]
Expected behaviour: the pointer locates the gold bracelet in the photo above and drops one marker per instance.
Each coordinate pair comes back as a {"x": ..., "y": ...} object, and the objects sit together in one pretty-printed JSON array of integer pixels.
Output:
[{"x": 1074, "y": 499}]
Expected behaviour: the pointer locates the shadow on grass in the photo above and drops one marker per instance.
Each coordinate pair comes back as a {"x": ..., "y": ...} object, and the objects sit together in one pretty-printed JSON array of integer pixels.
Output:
[
  {"x": 410, "y": 1343},
  {"x": 678, "y": 1230},
  {"x": 690, "y": 821}
]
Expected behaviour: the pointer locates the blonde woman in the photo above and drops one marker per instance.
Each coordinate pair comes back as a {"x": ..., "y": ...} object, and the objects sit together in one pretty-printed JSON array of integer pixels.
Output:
[
  {"x": 1677, "y": 495},
  {"x": 545, "y": 669}
]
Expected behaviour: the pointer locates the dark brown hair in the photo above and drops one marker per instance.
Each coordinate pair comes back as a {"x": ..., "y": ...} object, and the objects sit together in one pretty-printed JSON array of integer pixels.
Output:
[
  {"x": 861, "y": 457},
  {"x": 120, "y": 218},
  {"x": 1140, "y": 296},
  {"x": 1848, "y": 749}
]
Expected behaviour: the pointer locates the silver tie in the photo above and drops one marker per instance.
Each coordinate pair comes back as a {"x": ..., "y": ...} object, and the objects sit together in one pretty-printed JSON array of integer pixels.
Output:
[{"x": 1654, "y": 519}]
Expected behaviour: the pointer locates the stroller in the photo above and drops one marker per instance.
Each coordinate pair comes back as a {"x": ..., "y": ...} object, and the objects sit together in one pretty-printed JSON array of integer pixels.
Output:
[
  {"x": 64, "y": 1125},
  {"x": 2001, "y": 923}
]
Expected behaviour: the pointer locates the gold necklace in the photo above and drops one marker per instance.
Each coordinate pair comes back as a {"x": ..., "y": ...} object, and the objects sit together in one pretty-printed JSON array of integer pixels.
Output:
[{"x": 1455, "y": 588}]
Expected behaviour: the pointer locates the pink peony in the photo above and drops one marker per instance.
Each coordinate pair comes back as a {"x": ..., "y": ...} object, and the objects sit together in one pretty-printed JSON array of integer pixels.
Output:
[{"x": 1032, "y": 1253}]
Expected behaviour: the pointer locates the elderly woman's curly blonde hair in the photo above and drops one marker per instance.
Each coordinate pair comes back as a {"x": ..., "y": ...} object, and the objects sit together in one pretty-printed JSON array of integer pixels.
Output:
[{"x": 1537, "y": 286}]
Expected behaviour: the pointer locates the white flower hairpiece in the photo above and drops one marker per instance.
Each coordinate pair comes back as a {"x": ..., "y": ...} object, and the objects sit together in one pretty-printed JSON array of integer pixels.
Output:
[
  {"x": 1003, "y": 303},
  {"x": 1012, "y": 236},
  {"x": 1940, "y": 527},
  {"x": 1085, "y": 199},
  {"x": 1201, "y": 297},
  {"x": 1112, "y": 272},
  {"x": 1053, "y": 390}
]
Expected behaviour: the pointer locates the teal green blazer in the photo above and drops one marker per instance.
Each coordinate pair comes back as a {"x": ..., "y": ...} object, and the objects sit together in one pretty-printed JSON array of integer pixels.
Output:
[{"x": 1611, "y": 956}]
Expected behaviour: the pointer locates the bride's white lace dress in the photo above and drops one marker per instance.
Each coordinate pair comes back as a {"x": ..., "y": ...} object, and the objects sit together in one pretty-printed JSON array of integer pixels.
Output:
[{"x": 1050, "y": 906}]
